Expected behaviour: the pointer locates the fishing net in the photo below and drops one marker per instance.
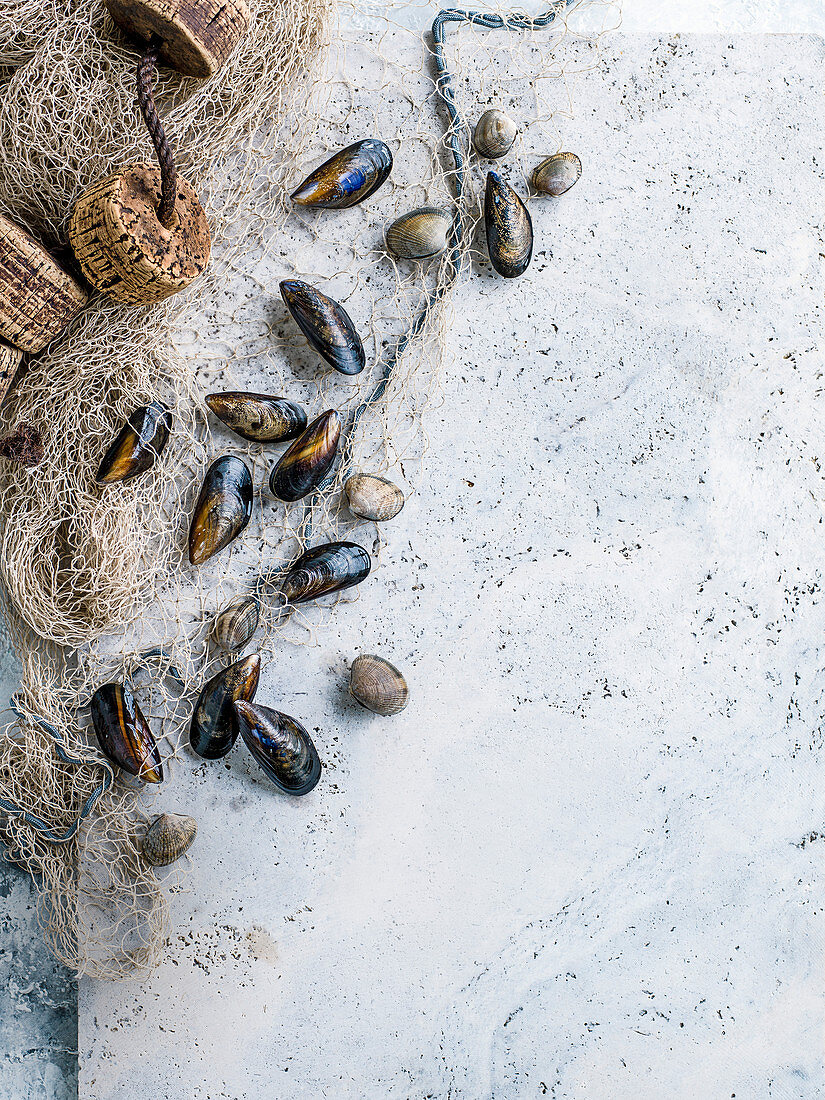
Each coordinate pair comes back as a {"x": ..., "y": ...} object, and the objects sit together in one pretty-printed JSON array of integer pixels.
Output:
[{"x": 96, "y": 583}]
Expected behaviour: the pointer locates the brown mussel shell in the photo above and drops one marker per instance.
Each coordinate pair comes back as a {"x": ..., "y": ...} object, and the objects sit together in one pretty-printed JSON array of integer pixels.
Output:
[
  {"x": 214, "y": 726},
  {"x": 324, "y": 570},
  {"x": 494, "y": 134},
  {"x": 509, "y": 228},
  {"x": 557, "y": 174},
  {"x": 222, "y": 509},
  {"x": 419, "y": 235},
  {"x": 378, "y": 685},
  {"x": 167, "y": 838},
  {"x": 123, "y": 733},
  {"x": 237, "y": 622},
  {"x": 305, "y": 464},
  {"x": 257, "y": 416},
  {"x": 372, "y": 497},
  {"x": 137, "y": 444},
  {"x": 281, "y": 746},
  {"x": 347, "y": 178},
  {"x": 326, "y": 324}
]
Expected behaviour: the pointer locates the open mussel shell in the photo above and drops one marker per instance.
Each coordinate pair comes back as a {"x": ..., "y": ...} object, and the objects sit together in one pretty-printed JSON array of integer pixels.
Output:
[
  {"x": 167, "y": 838},
  {"x": 347, "y": 178},
  {"x": 378, "y": 685},
  {"x": 325, "y": 569},
  {"x": 137, "y": 444},
  {"x": 308, "y": 460},
  {"x": 281, "y": 746},
  {"x": 257, "y": 416},
  {"x": 372, "y": 497},
  {"x": 214, "y": 726},
  {"x": 237, "y": 622},
  {"x": 509, "y": 228},
  {"x": 222, "y": 509},
  {"x": 420, "y": 234},
  {"x": 557, "y": 174},
  {"x": 123, "y": 733},
  {"x": 494, "y": 134},
  {"x": 327, "y": 326}
]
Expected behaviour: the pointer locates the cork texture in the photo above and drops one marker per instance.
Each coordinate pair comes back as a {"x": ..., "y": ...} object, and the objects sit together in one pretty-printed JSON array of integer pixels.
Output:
[{"x": 9, "y": 362}]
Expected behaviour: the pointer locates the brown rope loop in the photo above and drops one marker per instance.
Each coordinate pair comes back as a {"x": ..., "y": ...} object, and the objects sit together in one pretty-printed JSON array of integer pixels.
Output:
[{"x": 146, "y": 102}]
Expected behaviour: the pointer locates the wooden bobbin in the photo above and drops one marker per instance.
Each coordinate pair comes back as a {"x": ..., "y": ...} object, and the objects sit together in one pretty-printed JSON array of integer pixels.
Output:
[
  {"x": 37, "y": 297},
  {"x": 124, "y": 250},
  {"x": 9, "y": 362},
  {"x": 197, "y": 36}
]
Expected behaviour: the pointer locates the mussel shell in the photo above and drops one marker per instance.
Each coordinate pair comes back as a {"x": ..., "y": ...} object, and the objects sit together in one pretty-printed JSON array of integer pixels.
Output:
[
  {"x": 214, "y": 726},
  {"x": 237, "y": 622},
  {"x": 372, "y": 497},
  {"x": 257, "y": 416},
  {"x": 281, "y": 746},
  {"x": 325, "y": 569},
  {"x": 167, "y": 838},
  {"x": 308, "y": 460},
  {"x": 557, "y": 174},
  {"x": 420, "y": 234},
  {"x": 347, "y": 178},
  {"x": 494, "y": 134},
  {"x": 327, "y": 326},
  {"x": 509, "y": 228},
  {"x": 222, "y": 509},
  {"x": 378, "y": 685},
  {"x": 123, "y": 733},
  {"x": 137, "y": 444}
]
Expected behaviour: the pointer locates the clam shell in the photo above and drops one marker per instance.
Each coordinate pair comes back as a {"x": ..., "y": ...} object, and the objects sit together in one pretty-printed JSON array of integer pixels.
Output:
[
  {"x": 281, "y": 746},
  {"x": 420, "y": 234},
  {"x": 237, "y": 622},
  {"x": 306, "y": 463},
  {"x": 214, "y": 726},
  {"x": 509, "y": 228},
  {"x": 257, "y": 416},
  {"x": 325, "y": 569},
  {"x": 123, "y": 733},
  {"x": 557, "y": 174},
  {"x": 347, "y": 178},
  {"x": 373, "y": 497},
  {"x": 167, "y": 838},
  {"x": 494, "y": 134},
  {"x": 378, "y": 685},
  {"x": 222, "y": 510},
  {"x": 327, "y": 326},
  {"x": 137, "y": 444}
]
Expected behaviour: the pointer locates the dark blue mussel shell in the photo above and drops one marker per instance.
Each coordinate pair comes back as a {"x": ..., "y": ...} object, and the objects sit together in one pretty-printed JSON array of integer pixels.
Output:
[
  {"x": 123, "y": 733},
  {"x": 281, "y": 746},
  {"x": 306, "y": 463},
  {"x": 327, "y": 326},
  {"x": 509, "y": 228},
  {"x": 137, "y": 444},
  {"x": 325, "y": 569},
  {"x": 222, "y": 509},
  {"x": 347, "y": 178},
  {"x": 214, "y": 727}
]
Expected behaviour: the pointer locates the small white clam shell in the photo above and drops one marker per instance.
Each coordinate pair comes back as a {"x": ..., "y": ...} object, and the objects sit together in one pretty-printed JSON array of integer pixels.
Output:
[
  {"x": 378, "y": 685},
  {"x": 373, "y": 497},
  {"x": 167, "y": 838},
  {"x": 494, "y": 134},
  {"x": 420, "y": 234},
  {"x": 237, "y": 622},
  {"x": 557, "y": 174}
]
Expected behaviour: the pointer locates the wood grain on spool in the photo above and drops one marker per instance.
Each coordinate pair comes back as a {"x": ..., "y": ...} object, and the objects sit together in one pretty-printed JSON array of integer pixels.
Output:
[{"x": 9, "y": 362}]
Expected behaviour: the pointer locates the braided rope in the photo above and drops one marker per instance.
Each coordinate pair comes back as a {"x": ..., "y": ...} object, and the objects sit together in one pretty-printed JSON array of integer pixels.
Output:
[{"x": 146, "y": 102}]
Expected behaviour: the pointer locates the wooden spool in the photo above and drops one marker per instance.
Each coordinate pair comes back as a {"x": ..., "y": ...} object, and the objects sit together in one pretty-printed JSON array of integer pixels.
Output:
[
  {"x": 124, "y": 250},
  {"x": 37, "y": 297},
  {"x": 9, "y": 362},
  {"x": 197, "y": 36}
]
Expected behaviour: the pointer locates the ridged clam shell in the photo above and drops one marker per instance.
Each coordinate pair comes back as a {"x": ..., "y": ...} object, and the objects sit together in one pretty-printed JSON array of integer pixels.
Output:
[
  {"x": 420, "y": 234},
  {"x": 123, "y": 733},
  {"x": 557, "y": 174},
  {"x": 372, "y": 497},
  {"x": 326, "y": 569},
  {"x": 494, "y": 134},
  {"x": 257, "y": 416},
  {"x": 214, "y": 726},
  {"x": 167, "y": 838},
  {"x": 222, "y": 509},
  {"x": 281, "y": 746},
  {"x": 137, "y": 444},
  {"x": 237, "y": 622},
  {"x": 509, "y": 228},
  {"x": 327, "y": 326},
  {"x": 378, "y": 685},
  {"x": 308, "y": 460},
  {"x": 347, "y": 178}
]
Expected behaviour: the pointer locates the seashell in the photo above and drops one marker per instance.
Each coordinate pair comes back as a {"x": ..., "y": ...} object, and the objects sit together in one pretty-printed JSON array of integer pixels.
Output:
[
  {"x": 237, "y": 622},
  {"x": 509, "y": 228},
  {"x": 420, "y": 234},
  {"x": 494, "y": 134},
  {"x": 306, "y": 463},
  {"x": 136, "y": 446},
  {"x": 557, "y": 174},
  {"x": 327, "y": 326},
  {"x": 325, "y": 569},
  {"x": 222, "y": 509},
  {"x": 257, "y": 416},
  {"x": 281, "y": 746},
  {"x": 347, "y": 178},
  {"x": 123, "y": 733},
  {"x": 214, "y": 727},
  {"x": 378, "y": 685},
  {"x": 373, "y": 497},
  {"x": 167, "y": 838}
]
